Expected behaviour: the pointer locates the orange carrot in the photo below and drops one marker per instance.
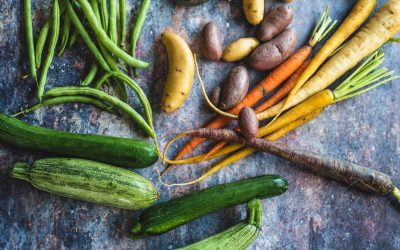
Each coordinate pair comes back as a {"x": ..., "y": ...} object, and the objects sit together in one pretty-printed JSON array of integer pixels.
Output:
[
  {"x": 265, "y": 86},
  {"x": 277, "y": 97}
]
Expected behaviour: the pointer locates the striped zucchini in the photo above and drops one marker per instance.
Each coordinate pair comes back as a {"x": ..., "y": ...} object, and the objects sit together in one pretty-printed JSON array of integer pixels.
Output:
[
  {"x": 90, "y": 181},
  {"x": 112, "y": 150},
  {"x": 166, "y": 216},
  {"x": 238, "y": 237}
]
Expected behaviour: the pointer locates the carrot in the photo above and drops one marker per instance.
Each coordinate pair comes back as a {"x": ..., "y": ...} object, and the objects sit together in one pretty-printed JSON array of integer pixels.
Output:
[
  {"x": 362, "y": 178},
  {"x": 360, "y": 12},
  {"x": 384, "y": 25},
  {"x": 233, "y": 147},
  {"x": 278, "y": 96},
  {"x": 363, "y": 79},
  {"x": 270, "y": 82}
]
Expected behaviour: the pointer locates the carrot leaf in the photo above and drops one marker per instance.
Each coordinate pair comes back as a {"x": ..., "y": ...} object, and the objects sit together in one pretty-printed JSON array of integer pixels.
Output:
[
  {"x": 364, "y": 78},
  {"x": 324, "y": 25}
]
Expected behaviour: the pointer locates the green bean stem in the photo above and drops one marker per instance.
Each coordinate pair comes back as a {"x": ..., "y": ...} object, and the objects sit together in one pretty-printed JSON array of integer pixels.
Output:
[
  {"x": 100, "y": 95},
  {"x": 90, "y": 75},
  {"x": 137, "y": 28},
  {"x": 103, "y": 38},
  {"x": 55, "y": 22},
  {"x": 68, "y": 99},
  {"x": 104, "y": 14},
  {"x": 108, "y": 57},
  {"x": 29, "y": 37},
  {"x": 85, "y": 36},
  {"x": 135, "y": 87},
  {"x": 40, "y": 42},
  {"x": 65, "y": 34},
  {"x": 112, "y": 28},
  {"x": 122, "y": 17}
]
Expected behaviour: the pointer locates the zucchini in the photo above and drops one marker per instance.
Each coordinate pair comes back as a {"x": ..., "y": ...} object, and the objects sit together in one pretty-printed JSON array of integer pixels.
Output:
[
  {"x": 237, "y": 237},
  {"x": 190, "y": 2},
  {"x": 112, "y": 150},
  {"x": 89, "y": 181},
  {"x": 168, "y": 215}
]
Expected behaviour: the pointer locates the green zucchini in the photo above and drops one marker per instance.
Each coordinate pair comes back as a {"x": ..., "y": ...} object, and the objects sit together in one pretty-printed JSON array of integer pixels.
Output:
[
  {"x": 89, "y": 181},
  {"x": 112, "y": 150},
  {"x": 190, "y": 2},
  {"x": 168, "y": 215},
  {"x": 237, "y": 237}
]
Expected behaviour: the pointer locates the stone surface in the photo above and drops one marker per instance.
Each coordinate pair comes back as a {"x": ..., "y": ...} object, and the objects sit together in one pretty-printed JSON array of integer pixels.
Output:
[{"x": 315, "y": 213}]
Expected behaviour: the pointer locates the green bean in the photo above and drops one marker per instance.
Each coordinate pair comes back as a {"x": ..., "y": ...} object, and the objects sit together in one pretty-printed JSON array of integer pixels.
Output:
[
  {"x": 122, "y": 17},
  {"x": 55, "y": 23},
  {"x": 104, "y": 14},
  {"x": 135, "y": 87},
  {"x": 73, "y": 38},
  {"x": 65, "y": 34},
  {"x": 68, "y": 99},
  {"x": 112, "y": 28},
  {"x": 108, "y": 57},
  {"x": 91, "y": 75},
  {"x": 87, "y": 91},
  {"x": 29, "y": 37},
  {"x": 104, "y": 39},
  {"x": 85, "y": 36},
  {"x": 137, "y": 28},
  {"x": 41, "y": 40}
]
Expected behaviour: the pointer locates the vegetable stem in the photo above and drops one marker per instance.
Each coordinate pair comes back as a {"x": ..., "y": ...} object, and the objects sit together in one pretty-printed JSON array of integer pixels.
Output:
[
  {"x": 20, "y": 171},
  {"x": 396, "y": 193},
  {"x": 323, "y": 27},
  {"x": 364, "y": 78}
]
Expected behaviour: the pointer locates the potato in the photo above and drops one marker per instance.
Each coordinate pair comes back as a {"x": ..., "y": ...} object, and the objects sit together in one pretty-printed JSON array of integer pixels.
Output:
[
  {"x": 276, "y": 21},
  {"x": 212, "y": 46},
  {"x": 239, "y": 49},
  {"x": 180, "y": 71},
  {"x": 235, "y": 88},
  {"x": 248, "y": 122},
  {"x": 270, "y": 54},
  {"x": 215, "y": 96},
  {"x": 254, "y": 11}
]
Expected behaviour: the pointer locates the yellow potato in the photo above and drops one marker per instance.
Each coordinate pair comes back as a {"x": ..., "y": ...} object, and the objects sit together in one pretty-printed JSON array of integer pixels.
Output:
[
  {"x": 239, "y": 49},
  {"x": 254, "y": 11},
  {"x": 180, "y": 72}
]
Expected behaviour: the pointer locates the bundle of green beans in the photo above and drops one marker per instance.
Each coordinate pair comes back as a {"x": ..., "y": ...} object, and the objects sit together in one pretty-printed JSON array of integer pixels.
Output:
[{"x": 79, "y": 19}]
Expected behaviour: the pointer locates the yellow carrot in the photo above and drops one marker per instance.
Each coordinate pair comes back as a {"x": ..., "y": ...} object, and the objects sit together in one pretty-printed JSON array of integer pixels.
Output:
[
  {"x": 384, "y": 25},
  {"x": 360, "y": 12}
]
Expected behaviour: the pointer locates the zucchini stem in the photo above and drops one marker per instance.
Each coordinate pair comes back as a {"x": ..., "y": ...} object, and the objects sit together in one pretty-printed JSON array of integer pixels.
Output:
[
  {"x": 254, "y": 211},
  {"x": 20, "y": 171},
  {"x": 396, "y": 193}
]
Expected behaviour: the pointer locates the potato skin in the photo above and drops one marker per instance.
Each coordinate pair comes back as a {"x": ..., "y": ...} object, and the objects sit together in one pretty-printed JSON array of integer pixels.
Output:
[
  {"x": 276, "y": 21},
  {"x": 254, "y": 11},
  {"x": 180, "y": 71},
  {"x": 235, "y": 88},
  {"x": 215, "y": 96},
  {"x": 212, "y": 45},
  {"x": 248, "y": 122},
  {"x": 239, "y": 49},
  {"x": 270, "y": 54}
]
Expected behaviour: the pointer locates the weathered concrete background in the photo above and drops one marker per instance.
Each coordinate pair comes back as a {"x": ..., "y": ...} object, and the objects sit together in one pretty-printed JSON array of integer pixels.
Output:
[{"x": 315, "y": 213}]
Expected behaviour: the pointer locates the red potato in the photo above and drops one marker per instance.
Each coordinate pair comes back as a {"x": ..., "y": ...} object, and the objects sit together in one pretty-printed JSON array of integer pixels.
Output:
[
  {"x": 248, "y": 122},
  {"x": 212, "y": 45},
  {"x": 276, "y": 21},
  {"x": 235, "y": 88},
  {"x": 270, "y": 54}
]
